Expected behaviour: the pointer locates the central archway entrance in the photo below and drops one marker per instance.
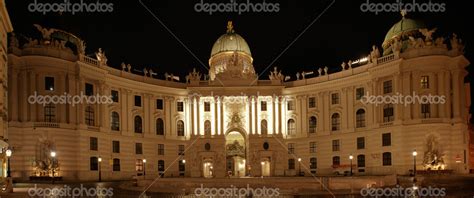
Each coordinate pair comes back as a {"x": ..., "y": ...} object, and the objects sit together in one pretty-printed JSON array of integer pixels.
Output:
[{"x": 235, "y": 154}]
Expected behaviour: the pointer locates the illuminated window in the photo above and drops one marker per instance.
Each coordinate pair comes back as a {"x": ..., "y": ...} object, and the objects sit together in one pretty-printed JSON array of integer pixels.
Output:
[
  {"x": 425, "y": 82},
  {"x": 180, "y": 128},
  {"x": 139, "y": 165},
  {"x": 291, "y": 127}
]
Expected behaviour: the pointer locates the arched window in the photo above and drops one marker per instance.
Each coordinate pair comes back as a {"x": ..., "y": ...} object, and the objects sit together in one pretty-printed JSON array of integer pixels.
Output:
[
  {"x": 160, "y": 128},
  {"x": 335, "y": 122},
  {"x": 180, "y": 128},
  {"x": 264, "y": 127},
  {"x": 94, "y": 163},
  {"x": 90, "y": 116},
  {"x": 312, "y": 124},
  {"x": 291, "y": 127},
  {"x": 388, "y": 113},
  {"x": 207, "y": 127},
  {"x": 50, "y": 113},
  {"x": 138, "y": 124},
  {"x": 360, "y": 118},
  {"x": 115, "y": 121}
]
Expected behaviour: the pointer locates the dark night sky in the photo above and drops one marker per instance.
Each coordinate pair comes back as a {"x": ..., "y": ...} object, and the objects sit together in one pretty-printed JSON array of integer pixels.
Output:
[{"x": 132, "y": 35}]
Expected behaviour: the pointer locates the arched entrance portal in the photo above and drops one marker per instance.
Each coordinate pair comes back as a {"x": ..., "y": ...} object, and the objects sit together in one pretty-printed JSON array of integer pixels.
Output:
[{"x": 235, "y": 154}]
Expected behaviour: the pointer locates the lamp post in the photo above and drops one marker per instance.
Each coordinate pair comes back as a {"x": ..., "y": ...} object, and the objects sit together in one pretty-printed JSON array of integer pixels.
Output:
[
  {"x": 299, "y": 166},
  {"x": 9, "y": 154},
  {"x": 144, "y": 168},
  {"x": 100, "y": 162},
  {"x": 53, "y": 156},
  {"x": 351, "y": 157},
  {"x": 414, "y": 164}
]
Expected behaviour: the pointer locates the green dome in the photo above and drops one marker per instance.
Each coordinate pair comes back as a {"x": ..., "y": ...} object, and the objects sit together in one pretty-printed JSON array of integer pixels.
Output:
[{"x": 403, "y": 26}]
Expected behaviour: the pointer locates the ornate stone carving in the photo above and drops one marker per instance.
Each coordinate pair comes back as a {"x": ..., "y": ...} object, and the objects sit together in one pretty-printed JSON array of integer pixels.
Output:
[{"x": 100, "y": 55}]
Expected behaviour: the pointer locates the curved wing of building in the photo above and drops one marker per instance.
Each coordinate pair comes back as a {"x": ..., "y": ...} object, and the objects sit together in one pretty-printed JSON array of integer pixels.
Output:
[{"x": 377, "y": 109}]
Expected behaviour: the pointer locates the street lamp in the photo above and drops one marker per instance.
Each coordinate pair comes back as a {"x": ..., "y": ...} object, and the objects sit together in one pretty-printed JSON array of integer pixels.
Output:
[
  {"x": 53, "y": 155},
  {"x": 299, "y": 166},
  {"x": 100, "y": 175},
  {"x": 414, "y": 164},
  {"x": 144, "y": 168},
  {"x": 9, "y": 154},
  {"x": 351, "y": 157}
]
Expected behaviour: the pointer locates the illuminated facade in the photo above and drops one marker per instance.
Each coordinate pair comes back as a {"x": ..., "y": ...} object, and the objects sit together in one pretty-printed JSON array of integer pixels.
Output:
[
  {"x": 5, "y": 27},
  {"x": 229, "y": 122}
]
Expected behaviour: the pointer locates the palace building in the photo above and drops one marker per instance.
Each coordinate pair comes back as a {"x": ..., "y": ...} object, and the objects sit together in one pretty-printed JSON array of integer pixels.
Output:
[{"x": 231, "y": 122}]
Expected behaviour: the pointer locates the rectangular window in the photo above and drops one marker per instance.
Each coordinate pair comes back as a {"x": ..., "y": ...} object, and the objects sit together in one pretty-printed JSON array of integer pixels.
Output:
[
  {"x": 94, "y": 163},
  {"x": 388, "y": 113},
  {"x": 159, "y": 104},
  {"x": 115, "y": 146},
  {"x": 360, "y": 143},
  {"x": 312, "y": 102},
  {"x": 359, "y": 93},
  {"x": 115, "y": 95},
  {"x": 138, "y": 101},
  {"x": 263, "y": 106},
  {"x": 180, "y": 106},
  {"x": 138, "y": 148},
  {"x": 335, "y": 98},
  {"x": 291, "y": 164},
  {"x": 161, "y": 149},
  {"x": 291, "y": 105},
  {"x": 89, "y": 89},
  {"x": 49, "y": 83},
  {"x": 387, "y": 159},
  {"x": 387, "y": 87},
  {"x": 291, "y": 148},
  {"x": 180, "y": 149},
  {"x": 313, "y": 163},
  {"x": 361, "y": 161},
  {"x": 425, "y": 82},
  {"x": 49, "y": 113},
  {"x": 207, "y": 106},
  {"x": 116, "y": 164},
  {"x": 93, "y": 144},
  {"x": 386, "y": 139},
  {"x": 312, "y": 147},
  {"x": 425, "y": 111},
  {"x": 336, "y": 145},
  {"x": 336, "y": 161},
  {"x": 139, "y": 165}
]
